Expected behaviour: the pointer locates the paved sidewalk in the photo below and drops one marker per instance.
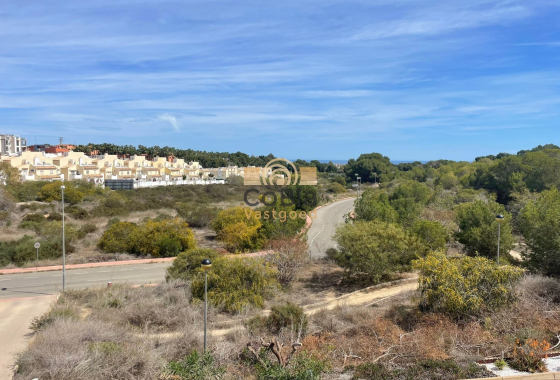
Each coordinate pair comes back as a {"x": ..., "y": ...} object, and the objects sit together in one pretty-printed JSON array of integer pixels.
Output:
[{"x": 87, "y": 265}]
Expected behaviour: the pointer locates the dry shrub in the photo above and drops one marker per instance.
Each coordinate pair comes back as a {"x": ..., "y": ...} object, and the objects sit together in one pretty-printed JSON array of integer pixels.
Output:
[
  {"x": 85, "y": 350},
  {"x": 289, "y": 255}
]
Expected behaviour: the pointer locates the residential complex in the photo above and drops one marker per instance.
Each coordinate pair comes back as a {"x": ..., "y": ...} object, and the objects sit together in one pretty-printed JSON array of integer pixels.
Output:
[{"x": 159, "y": 171}]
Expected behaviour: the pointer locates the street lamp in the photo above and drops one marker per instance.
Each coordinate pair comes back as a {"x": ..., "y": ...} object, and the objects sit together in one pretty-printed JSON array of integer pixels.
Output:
[
  {"x": 499, "y": 219},
  {"x": 37, "y": 246},
  {"x": 206, "y": 265},
  {"x": 63, "y": 244}
]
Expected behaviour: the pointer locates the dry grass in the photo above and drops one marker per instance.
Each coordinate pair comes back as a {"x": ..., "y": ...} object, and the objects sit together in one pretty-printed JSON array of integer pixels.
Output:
[{"x": 115, "y": 333}]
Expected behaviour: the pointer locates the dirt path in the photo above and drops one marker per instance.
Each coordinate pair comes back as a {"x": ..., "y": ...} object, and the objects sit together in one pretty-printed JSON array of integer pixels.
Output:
[
  {"x": 359, "y": 298},
  {"x": 15, "y": 317}
]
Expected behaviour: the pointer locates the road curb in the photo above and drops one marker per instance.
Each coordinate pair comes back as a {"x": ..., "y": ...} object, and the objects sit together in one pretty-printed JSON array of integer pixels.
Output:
[{"x": 86, "y": 265}]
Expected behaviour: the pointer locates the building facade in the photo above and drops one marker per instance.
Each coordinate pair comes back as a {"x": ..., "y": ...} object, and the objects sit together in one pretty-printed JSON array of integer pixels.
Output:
[{"x": 12, "y": 144}]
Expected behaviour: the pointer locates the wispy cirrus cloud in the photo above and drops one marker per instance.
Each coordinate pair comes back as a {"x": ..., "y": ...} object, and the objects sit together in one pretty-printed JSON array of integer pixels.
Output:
[{"x": 403, "y": 77}]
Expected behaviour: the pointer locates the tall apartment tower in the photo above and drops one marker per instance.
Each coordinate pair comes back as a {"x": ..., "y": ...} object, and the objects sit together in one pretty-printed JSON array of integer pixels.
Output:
[{"x": 12, "y": 144}]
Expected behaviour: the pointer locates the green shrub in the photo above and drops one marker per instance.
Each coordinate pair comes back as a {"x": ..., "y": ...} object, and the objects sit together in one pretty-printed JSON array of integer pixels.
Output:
[
  {"x": 195, "y": 367},
  {"x": 373, "y": 251},
  {"x": 466, "y": 286},
  {"x": 375, "y": 206},
  {"x": 164, "y": 239},
  {"x": 500, "y": 364},
  {"x": 25, "y": 191},
  {"x": 238, "y": 229},
  {"x": 119, "y": 238},
  {"x": 288, "y": 315},
  {"x": 37, "y": 218},
  {"x": 433, "y": 234},
  {"x": 423, "y": 370},
  {"x": 235, "y": 284},
  {"x": 159, "y": 239},
  {"x": 52, "y": 192},
  {"x": 336, "y": 188},
  {"x": 301, "y": 367},
  {"x": 539, "y": 221},
  {"x": 196, "y": 215},
  {"x": 112, "y": 221},
  {"x": 88, "y": 228},
  {"x": 478, "y": 229},
  {"x": 77, "y": 212},
  {"x": 55, "y": 216},
  {"x": 187, "y": 264}
]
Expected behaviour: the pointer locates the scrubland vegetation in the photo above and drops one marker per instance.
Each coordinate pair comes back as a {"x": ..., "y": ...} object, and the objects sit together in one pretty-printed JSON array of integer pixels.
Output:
[{"x": 436, "y": 221}]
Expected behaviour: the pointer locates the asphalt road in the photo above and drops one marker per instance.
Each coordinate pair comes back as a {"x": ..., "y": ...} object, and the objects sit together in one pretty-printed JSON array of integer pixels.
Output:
[
  {"x": 50, "y": 283},
  {"x": 320, "y": 235}
]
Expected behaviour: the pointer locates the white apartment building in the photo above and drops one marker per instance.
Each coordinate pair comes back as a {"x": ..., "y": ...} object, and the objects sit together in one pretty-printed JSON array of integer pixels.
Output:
[{"x": 12, "y": 144}]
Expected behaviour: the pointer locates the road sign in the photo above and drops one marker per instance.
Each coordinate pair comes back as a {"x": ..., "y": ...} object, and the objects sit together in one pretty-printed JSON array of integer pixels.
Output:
[{"x": 37, "y": 245}]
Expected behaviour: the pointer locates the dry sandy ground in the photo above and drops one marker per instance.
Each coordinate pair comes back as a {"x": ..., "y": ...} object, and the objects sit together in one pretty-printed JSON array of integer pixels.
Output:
[
  {"x": 15, "y": 317},
  {"x": 363, "y": 297}
]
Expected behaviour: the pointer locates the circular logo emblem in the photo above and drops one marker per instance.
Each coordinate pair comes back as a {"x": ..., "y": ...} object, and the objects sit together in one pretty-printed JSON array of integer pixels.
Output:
[{"x": 276, "y": 172}]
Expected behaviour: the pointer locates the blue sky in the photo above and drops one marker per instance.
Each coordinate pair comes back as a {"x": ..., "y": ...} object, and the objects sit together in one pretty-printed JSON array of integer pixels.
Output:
[{"x": 301, "y": 79}]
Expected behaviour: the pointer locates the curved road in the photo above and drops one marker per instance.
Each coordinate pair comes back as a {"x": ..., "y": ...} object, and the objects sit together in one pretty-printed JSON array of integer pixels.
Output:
[
  {"x": 23, "y": 296},
  {"x": 320, "y": 235}
]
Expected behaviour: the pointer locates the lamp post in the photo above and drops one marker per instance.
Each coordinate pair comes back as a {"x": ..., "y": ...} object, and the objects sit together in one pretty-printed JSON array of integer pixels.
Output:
[
  {"x": 63, "y": 244},
  {"x": 37, "y": 246},
  {"x": 206, "y": 265},
  {"x": 358, "y": 183},
  {"x": 499, "y": 219}
]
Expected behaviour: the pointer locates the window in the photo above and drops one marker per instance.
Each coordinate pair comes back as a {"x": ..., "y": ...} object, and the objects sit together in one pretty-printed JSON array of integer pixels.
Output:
[
  {"x": 87, "y": 171},
  {"x": 52, "y": 172}
]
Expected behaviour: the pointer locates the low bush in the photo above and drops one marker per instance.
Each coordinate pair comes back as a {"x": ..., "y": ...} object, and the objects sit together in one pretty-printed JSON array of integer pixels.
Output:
[
  {"x": 21, "y": 251},
  {"x": 433, "y": 234},
  {"x": 159, "y": 239},
  {"x": 336, "y": 188},
  {"x": 500, "y": 364},
  {"x": 423, "y": 370},
  {"x": 195, "y": 367},
  {"x": 88, "y": 228},
  {"x": 120, "y": 237},
  {"x": 236, "y": 284},
  {"x": 238, "y": 229},
  {"x": 187, "y": 264},
  {"x": 465, "y": 286},
  {"x": 528, "y": 356},
  {"x": 288, "y": 315},
  {"x": 77, "y": 212},
  {"x": 36, "y": 218},
  {"x": 55, "y": 216},
  {"x": 289, "y": 256},
  {"x": 373, "y": 251},
  {"x": 301, "y": 367},
  {"x": 196, "y": 215}
]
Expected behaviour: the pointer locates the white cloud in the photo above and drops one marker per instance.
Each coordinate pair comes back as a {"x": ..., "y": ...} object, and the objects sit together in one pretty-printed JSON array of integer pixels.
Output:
[{"x": 171, "y": 120}]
